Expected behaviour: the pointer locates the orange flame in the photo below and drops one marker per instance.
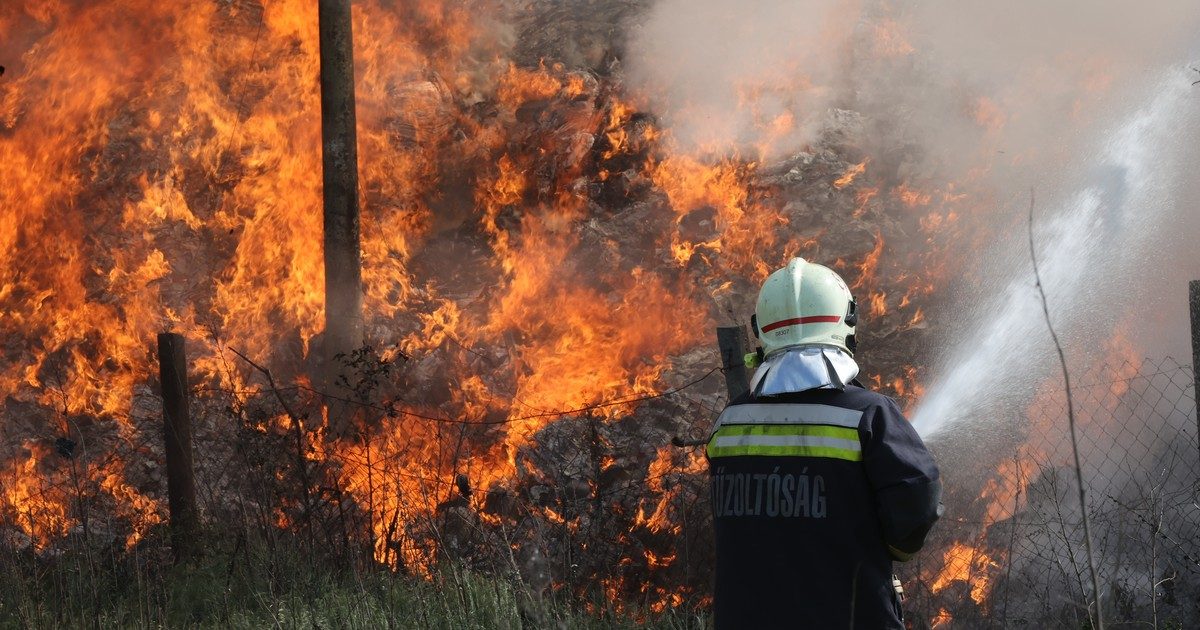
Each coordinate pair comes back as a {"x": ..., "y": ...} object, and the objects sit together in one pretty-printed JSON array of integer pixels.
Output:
[
  {"x": 849, "y": 176},
  {"x": 965, "y": 564},
  {"x": 184, "y": 195},
  {"x": 911, "y": 197}
]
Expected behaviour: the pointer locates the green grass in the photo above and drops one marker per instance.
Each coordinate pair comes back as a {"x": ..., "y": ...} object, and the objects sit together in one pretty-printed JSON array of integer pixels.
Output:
[{"x": 260, "y": 589}]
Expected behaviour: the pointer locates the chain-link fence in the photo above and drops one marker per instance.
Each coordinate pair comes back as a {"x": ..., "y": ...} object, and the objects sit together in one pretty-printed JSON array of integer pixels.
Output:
[
  {"x": 603, "y": 507},
  {"x": 1010, "y": 551},
  {"x": 594, "y": 506}
]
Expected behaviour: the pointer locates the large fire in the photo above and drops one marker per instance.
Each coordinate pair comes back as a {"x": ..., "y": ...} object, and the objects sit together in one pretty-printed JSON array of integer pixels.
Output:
[{"x": 535, "y": 253}]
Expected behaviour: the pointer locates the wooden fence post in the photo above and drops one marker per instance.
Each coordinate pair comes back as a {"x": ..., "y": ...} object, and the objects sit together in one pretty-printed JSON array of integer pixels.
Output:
[
  {"x": 177, "y": 434},
  {"x": 734, "y": 346},
  {"x": 1194, "y": 302}
]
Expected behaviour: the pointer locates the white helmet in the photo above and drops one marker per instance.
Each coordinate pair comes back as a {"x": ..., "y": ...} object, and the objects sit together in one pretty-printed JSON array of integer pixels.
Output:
[{"x": 805, "y": 304}]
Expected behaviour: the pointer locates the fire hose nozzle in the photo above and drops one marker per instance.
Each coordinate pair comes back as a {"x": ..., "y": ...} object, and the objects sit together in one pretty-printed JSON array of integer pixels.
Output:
[{"x": 898, "y": 586}]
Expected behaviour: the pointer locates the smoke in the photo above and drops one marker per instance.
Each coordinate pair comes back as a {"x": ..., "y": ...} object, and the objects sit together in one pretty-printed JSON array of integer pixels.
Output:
[
  {"x": 956, "y": 77},
  {"x": 1014, "y": 87},
  {"x": 726, "y": 77},
  {"x": 1086, "y": 102}
]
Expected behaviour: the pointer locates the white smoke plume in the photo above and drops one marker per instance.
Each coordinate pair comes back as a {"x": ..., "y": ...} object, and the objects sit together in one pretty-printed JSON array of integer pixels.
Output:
[
  {"x": 725, "y": 75},
  {"x": 1086, "y": 102}
]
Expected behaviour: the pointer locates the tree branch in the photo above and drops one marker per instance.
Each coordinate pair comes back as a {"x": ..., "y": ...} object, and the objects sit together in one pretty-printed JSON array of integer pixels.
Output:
[{"x": 1062, "y": 360}]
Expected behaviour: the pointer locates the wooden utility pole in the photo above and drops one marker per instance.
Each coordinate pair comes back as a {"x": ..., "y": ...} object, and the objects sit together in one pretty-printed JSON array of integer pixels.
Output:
[
  {"x": 339, "y": 150},
  {"x": 343, "y": 259},
  {"x": 1194, "y": 302},
  {"x": 734, "y": 346},
  {"x": 177, "y": 434}
]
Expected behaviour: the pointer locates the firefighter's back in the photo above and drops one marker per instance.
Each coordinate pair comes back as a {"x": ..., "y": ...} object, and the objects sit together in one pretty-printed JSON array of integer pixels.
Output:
[{"x": 798, "y": 534}]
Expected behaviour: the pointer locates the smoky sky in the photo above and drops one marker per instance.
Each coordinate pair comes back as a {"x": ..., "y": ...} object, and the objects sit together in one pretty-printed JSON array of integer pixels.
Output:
[
  {"x": 999, "y": 98},
  {"x": 729, "y": 75}
]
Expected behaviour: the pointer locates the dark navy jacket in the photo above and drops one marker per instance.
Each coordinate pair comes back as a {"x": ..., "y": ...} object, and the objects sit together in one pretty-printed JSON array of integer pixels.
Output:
[{"x": 813, "y": 494}]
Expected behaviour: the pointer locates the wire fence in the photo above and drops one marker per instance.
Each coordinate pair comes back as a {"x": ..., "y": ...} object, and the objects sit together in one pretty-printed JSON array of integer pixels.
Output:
[
  {"x": 599, "y": 505},
  {"x": 579, "y": 501},
  {"x": 1010, "y": 552},
  {"x": 589, "y": 502}
]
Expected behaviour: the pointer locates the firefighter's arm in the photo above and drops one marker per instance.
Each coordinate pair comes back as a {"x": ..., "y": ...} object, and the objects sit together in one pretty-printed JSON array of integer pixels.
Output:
[{"x": 904, "y": 477}]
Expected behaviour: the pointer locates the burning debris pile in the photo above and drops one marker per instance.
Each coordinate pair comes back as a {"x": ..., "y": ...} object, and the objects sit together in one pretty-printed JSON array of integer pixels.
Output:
[{"x": 543, "y": 268}]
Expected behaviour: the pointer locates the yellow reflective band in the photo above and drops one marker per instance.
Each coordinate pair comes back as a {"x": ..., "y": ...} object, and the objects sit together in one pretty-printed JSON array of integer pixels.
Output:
[
  {"x": 786, "y": 440},
  {"x": 784, "y": 451},
  {"x": 789, "y": 429}
]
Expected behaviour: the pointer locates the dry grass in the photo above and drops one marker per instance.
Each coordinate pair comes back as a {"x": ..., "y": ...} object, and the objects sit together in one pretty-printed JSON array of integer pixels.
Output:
[{"x": 252, "y": 586}]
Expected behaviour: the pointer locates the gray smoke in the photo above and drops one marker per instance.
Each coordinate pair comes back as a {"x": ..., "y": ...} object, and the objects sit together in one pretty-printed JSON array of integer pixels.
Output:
[
  {"x": 729, "y": 75},
  {"x": 725, "y": 75},
  {"x": 997, "y": 97}
]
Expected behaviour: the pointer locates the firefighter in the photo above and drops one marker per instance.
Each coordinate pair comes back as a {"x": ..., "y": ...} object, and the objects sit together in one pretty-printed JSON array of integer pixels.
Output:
[{"x": 818, "y": 484}]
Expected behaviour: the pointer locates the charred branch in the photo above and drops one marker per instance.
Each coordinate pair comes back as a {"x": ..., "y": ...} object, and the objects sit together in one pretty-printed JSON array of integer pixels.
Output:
[
  {"x": 1194, "y": 305},
  {"x": 1098, "y": 616}
]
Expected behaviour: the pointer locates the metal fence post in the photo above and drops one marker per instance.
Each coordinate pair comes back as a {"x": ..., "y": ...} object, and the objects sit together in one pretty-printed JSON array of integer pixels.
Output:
[
  {"x": 177, "y": 434},
  {"x": 1194, "y": 303}
]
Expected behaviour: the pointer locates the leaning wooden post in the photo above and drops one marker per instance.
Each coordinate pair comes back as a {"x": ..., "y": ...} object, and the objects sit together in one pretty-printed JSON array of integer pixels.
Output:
[
  {"x": 734, "y": 346},
  {"x": 1194, "y": 302},
  {"x": 177, "y": 433}
]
